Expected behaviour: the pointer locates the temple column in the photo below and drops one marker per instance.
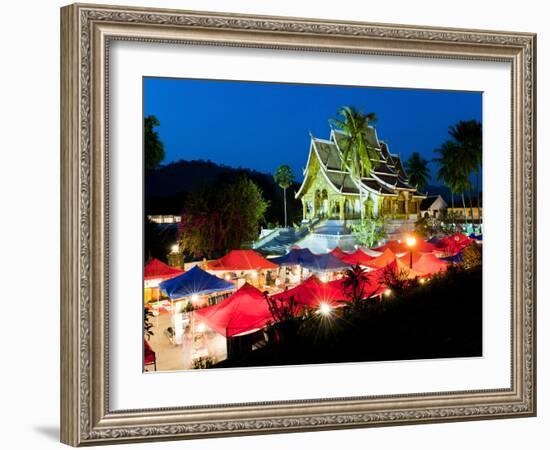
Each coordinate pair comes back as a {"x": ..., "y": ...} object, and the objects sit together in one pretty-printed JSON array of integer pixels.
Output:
[{"x": 304, "y": 209}]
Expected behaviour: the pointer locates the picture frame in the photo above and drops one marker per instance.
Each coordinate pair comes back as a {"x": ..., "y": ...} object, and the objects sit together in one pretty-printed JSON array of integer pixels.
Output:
[{"x": 87, "y": 32}]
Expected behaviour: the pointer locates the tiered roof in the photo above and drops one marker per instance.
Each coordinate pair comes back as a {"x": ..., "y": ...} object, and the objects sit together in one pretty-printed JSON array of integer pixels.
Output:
[{"x": 387, "y": 177}]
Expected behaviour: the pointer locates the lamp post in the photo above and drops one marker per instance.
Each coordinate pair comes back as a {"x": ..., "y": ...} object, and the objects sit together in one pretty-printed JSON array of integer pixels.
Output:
[{"x": 411, "y": 242}]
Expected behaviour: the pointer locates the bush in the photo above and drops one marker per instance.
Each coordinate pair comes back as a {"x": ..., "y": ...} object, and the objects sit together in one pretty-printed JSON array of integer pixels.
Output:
[
  {"x": 471, "y": 256},
  {"x": 368, "y": 232}
]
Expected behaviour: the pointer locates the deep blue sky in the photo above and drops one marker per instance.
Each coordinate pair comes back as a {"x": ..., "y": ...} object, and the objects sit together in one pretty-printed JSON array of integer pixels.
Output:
[{"x": 263, "y": 125}]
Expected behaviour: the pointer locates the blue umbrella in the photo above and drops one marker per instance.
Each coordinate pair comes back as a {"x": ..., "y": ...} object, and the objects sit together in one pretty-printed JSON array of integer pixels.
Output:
[{"x": 194, "y": 282}]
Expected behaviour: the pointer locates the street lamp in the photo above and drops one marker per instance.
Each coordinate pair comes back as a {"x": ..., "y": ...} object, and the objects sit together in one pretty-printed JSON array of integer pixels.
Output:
[
  {"x": 411, "y": 242},
  {"x": 324, "y": 309}
]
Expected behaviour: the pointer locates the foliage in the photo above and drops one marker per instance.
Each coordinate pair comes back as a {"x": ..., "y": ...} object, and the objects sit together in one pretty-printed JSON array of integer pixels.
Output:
[
  {"x": 422, "y": 227},
  {"x": 203, "y": 363},
  {"x": 354, "y": 286},
  {"x": 471, "y": 256},
  {"x": 368, "y": 231},
  {"x": 147, "y": 325},
  {"x": 460, "y": 157},
  {"x": 153, "y": 146},
  {"x": 396, "y": 280},
  {"x": 357, "y": 155},
  {"x": 281, "y": 311},
  {"x": 221, "y": 217},
  {"x": 356, "y": 152},
  {"x": 284, "y": 178},
  {"x": 286, "y": 318},
  {"x": 418, "y": 171},
  {"x": 468, "y": 135}
]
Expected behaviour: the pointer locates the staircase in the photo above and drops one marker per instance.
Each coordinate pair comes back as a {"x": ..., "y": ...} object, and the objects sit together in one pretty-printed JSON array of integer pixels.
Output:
[
  {"x": 396, "y": 229},
  {"x": 280, "y": 241}
]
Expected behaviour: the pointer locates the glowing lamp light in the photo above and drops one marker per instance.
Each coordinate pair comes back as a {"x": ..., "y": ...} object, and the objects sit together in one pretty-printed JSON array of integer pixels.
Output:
[
  {"x": 325, "y": 309},
  {"x": 387, "y": 292},
  {"x": 324, "y": 278},
  {"x": 175, "y": 248},
  {"x": 194, "y": 298},
  {"x": 422, "y": 280},
  {"x": 411, "y": 241},
  {"x": 227, "y": 277},
  {"x": 255, "y": 274},
  {"x": 201, "y": 327}
]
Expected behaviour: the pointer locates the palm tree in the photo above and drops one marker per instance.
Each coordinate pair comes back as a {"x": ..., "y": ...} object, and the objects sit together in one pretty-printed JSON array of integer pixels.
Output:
[
  {"x": 284, "y": 178},
  {"x": 356, "y": 278},
  {"x": 468, "y": 135},
  {"x": 357, "y": 155},
  {"x": 418, "y": 171},
  {"x": 452, "y": 171}
]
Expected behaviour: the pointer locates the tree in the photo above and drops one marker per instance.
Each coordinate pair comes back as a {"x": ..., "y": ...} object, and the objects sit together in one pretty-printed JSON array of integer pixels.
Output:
[
  {"x": 452, "y": 171},
  {"x": 153, "y": 146},
  {"x": 284, "y": 178},
  {"x": 418, "y": 171},
  {"x": 357, "y": 155},
  {"x": 468, "y": 136},
  {"x": 356, "y": 278},
  {"x": 221, "y": 217}
]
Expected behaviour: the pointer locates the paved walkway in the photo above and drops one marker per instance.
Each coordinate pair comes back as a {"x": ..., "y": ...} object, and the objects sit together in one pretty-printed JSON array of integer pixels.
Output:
[{"x": 180, "y": 357}]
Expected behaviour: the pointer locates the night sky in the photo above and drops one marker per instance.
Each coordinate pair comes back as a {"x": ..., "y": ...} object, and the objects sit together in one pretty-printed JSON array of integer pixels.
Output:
[{"x": 263, "y": 125}]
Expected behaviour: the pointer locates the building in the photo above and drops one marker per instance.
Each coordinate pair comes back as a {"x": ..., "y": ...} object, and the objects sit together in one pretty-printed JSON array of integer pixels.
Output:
[
  {"x": 330, "y": 192},
  {"x": 433, "y": 206}
]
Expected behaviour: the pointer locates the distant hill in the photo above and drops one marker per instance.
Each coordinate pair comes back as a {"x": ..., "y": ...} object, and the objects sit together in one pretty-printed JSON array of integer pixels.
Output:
[{"x": 167, "y": 188}]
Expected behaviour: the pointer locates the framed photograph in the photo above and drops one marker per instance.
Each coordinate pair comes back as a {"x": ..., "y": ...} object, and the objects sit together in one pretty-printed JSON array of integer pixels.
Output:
[{"x": 277, "y": 224}]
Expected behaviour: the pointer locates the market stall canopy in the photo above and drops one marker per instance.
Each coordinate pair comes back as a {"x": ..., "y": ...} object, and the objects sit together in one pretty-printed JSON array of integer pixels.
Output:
[
  {"x": 406, "y": 258},
  {"x": 297, "y": 256},
  {"x": 312, "y": 292},
  {"x": 247, "y": 310},
  {"x": 194, "y": 282},
  {"x": 156, "y": 269},
  {"x": 357, "y": 257},
  {"x": 338, "y": 252},
  {"x": 325, "y": 263},
  {"x": 426, "y": 263},
  {"x": 398, "y": 267},
  {"x": 395, "y": 246},
  {"x": 237, "y": 260},
  {"x": 387, "y": 257}
]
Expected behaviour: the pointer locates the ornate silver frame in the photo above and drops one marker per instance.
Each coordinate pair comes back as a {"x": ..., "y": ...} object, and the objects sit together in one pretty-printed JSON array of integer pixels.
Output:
[{"x": 86, "y": 31}]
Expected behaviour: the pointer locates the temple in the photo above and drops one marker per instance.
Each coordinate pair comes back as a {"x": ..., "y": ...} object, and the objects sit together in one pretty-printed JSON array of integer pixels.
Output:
[{"x": 330, "y": 192}]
